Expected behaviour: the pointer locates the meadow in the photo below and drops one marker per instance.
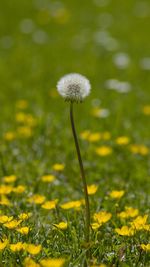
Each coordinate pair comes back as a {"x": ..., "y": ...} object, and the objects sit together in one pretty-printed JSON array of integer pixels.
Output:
[{"x": 41, "y": 197}]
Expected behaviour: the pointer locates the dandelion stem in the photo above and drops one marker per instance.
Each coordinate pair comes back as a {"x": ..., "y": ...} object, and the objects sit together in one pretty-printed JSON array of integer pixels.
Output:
[{"x": 87, "y": 206}]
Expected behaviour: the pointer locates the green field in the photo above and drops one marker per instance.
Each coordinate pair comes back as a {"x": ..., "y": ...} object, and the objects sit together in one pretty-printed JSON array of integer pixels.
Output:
[{"x": 109, "y": 43}]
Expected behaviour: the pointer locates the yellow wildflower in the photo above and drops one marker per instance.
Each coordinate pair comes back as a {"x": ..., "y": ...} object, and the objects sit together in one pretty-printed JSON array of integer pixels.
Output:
[
  {"x": 19, "y": 189},
  {"x": 72, "y": 205},
  {"x": 3, "y": 243},
  {"x": 116, "y": 194},
  {"x": 104, "y": 151},
  {"x": 33, "y": 249},
  {"x": 101, "y": 265},
  {"x": 48, "y": 178},
  {"x": 24, "y": 216},
  {"x": 9, "y": 136},
  {"x": 123, "y": 140},
  {"x": 125, "y": 231},
  {"x": 21, "y": 117},
  {"x": 58, "y": 167},
  {"x": 94, "y": 137},
  {"x": 61, "y": 225},
  {"x": 23, "y": 230},
  {"x": 12, "y": 224},
  {"x": 37, "y": 199},
  {"x": 139, "y": 149},
  {"x": 10, "y": 178},
  {"x": 49, "y": 205},
  {"x": 145, "y": 247},
  {"x": 84, "y": 135},
  {"x": 4, "y": 218},
  {"x": 95, "y": 226},
  {"x": 102, "y": 217},
  {"x": 52, "y": 262},
  {"x": 5, "y": 201},
  {"x": 5, "y": 189},
  {"x": 17, "y": 247},
  {"x": 28, "y": 262},
  {"x": 21, "y": 104},
  {"x": 146, "y": 110},
  {"x": 139, "y": 222},
  {"x": 129, "y": 212},
  {"x": 92, "y": 189},
  {"x": 24, "y": 131}
]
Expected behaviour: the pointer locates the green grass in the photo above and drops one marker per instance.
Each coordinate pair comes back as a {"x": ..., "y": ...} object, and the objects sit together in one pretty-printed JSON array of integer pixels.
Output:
[{"x": 30, "y": 70}]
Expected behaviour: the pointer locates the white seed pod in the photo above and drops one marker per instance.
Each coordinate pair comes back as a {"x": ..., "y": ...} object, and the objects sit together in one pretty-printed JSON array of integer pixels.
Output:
[{"x": 74, "y": 87}]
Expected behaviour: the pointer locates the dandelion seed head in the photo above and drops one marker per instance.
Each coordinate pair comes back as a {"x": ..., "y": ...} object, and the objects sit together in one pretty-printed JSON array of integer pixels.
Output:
[{"x": 74, "y": 87}]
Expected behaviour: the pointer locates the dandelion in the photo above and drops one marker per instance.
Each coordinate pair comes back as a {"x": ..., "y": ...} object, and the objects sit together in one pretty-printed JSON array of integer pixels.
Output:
[
  {"x": 52, "y": 262},
  {"x": 74, "y": 88},
  {"x": 61, "y": 225},
  {"x": 3, "y": 243},
  {"x": 146, "y": 110},
  {"x": 103, "y": 151},
  {"x": 122, "y": 140},
  {"x": 145, "y": 247},
  {"x": 5, "y": 201},
  {"x": 33, "y": 249},
  {"x": 9, "y": 136},
  {"x": 139, "y": 223},
  {"x": 125, "y": 231},
  {"x": 94, "y": 137},
  {"x": 24, "y": 216},
  {"x": 49, "y": 205},
  {"x": 72, "y": 205},
  {"x": 5, "y": 218},
  {"x": 10, "y": 179},
  {"x": 102, "y": 217},
  {"x": 28, "y": 262},
  {"x": 37, "y": 199},
  {"x": 12, "y": 224},
  {"x": 92, "y": 189},
  {"x": 116, "y": 194},
  {"x": 19, "y": 189},
  {"x": 128, "y": 212},
  {"x": 85, "y": 134},
  {"x": 23, "y": 230},
  {"x": 58, "y": 167},
  {"x": 48, "y": 178},
  {"x": 16, "y": 247}
]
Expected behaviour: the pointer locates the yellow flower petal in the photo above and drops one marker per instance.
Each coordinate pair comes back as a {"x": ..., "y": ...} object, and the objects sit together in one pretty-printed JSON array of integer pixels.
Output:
[
  {"x": 92, "y": 189},
  {"x": 61, "y": 225},
  {"x": 125, "y": 231},
  {"x": 102, "y": 217},
  {"x": 116, "y": 194},
  {"x": 58, "y": 167},
  {"x": 48, "y": 178},
  {"x": 3, "y": 244},
  {"x": 104, "y": 151},
  {"x": 23, "y": 230},
  {"x": 49, "y": 205},
  {"x": 33, "y": 249},
  {"x": 10, "y": 179},
  {"x": 52, "y": 262}
]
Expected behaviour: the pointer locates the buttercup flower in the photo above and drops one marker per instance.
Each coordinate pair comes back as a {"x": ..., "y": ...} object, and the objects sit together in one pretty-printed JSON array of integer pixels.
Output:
[{"x": 74, "y": 87}]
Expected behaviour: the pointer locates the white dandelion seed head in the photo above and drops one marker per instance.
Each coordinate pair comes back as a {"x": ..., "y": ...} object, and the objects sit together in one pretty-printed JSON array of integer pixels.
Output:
[{"x": 74, "y": 87}]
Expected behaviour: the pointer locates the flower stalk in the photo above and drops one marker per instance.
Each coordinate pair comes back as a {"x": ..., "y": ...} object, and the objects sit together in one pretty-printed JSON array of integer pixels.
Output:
[{"x": 87, "y": 206}]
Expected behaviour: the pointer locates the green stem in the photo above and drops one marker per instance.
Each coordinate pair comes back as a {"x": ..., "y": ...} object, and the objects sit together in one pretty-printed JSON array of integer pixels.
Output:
[{"x": 87, "y": 206}]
